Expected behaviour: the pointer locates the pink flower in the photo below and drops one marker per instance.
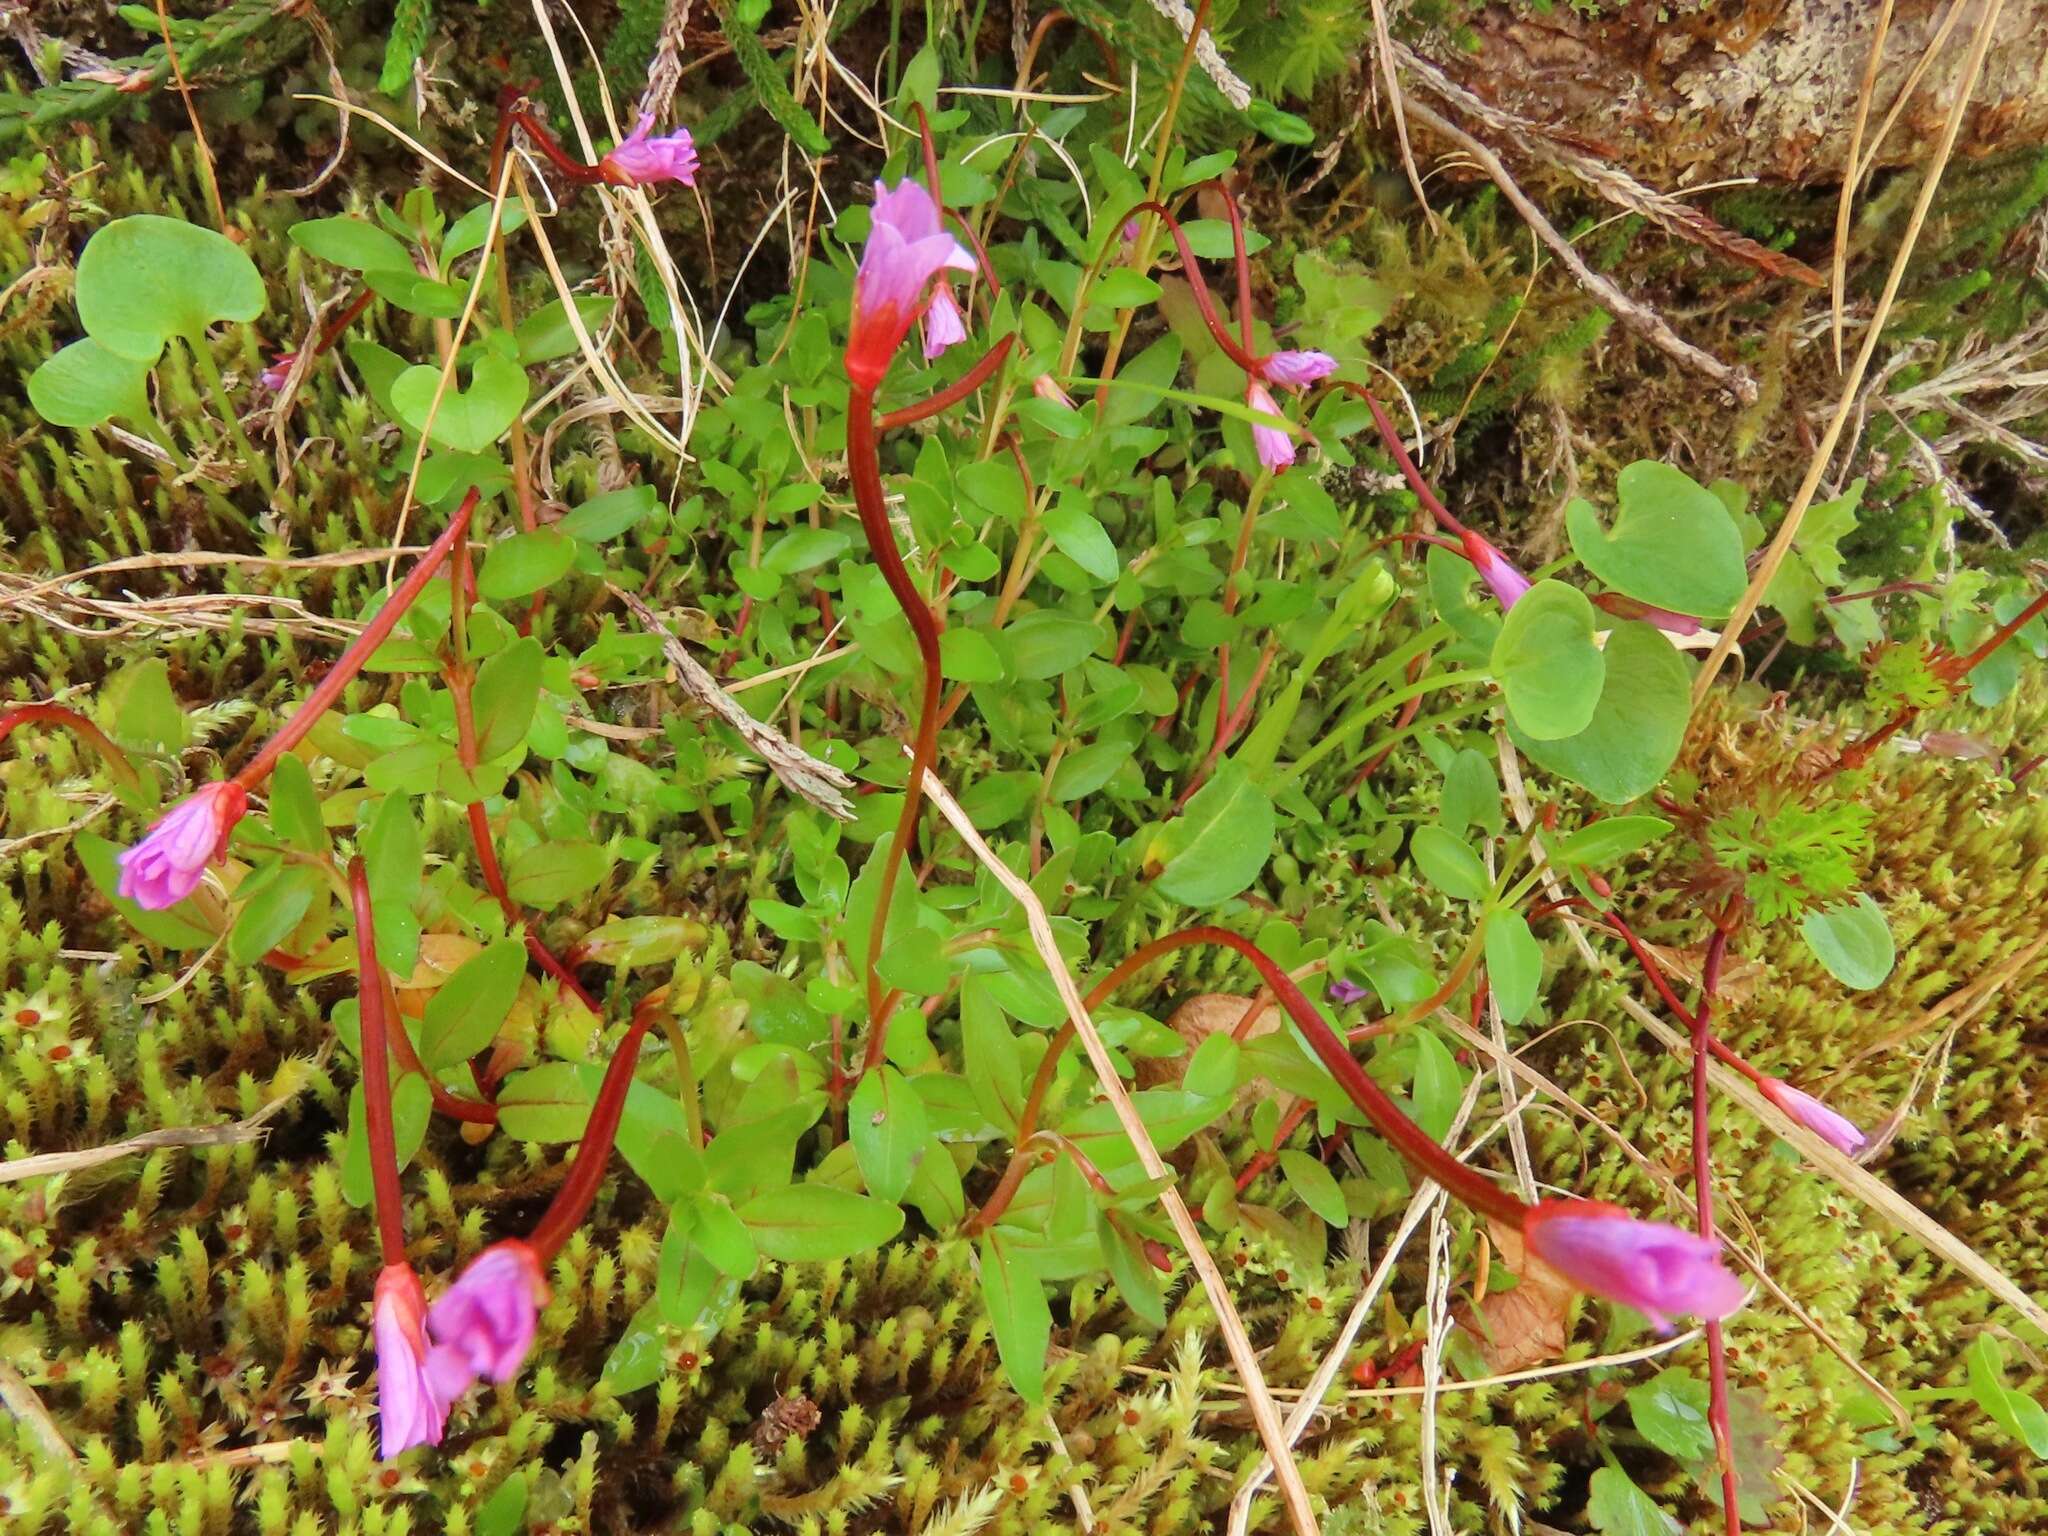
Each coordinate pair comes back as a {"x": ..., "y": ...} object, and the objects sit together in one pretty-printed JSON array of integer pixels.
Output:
[
  {"x": 1296, "y": 370},
  {"x": 165, "y": 867},
  {"x": 1838, "y": 1131},
  {"x": 943, "y": 323},
  {"x": 906, "y": 248},
  {"x": 410, "y": 1409},
  {"x": 1505, "y": 582},
  {"x": 1650, "y": 1265},
  {"x": 640, "y": 161},
  {"x": 273, "y": 377},
  {"x": 1275, "y": 445},
  {"x": 486, "y": 1318},
  {"x": 1046, "y": 387},
  {"x": 1345, "y": 993}
]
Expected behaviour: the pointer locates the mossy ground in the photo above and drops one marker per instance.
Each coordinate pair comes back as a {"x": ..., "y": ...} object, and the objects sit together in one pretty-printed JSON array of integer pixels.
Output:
[{"x": 193, "y": 1319}]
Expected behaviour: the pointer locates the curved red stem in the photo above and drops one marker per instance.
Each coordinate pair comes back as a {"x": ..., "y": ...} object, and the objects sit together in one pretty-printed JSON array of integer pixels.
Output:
[
  {"x": 572, "y": 1201},
  {"x": 378, "y": 1129},
  {"x": 56, "y": 714},
  {"x": 952, "y": 394},
  {"x": 1237, "y": 353}
]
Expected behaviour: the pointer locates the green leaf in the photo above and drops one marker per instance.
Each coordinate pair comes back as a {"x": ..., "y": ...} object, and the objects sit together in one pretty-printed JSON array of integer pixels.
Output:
[
  {"x": 524, "y": 564},
  {"x": 264, "y": 922},
  {"x": 1673, "y": 544},
  {"x": 608, "y": 515},
  {"x": 548, "y": 874},
  {"x": 85, "y": 384},
  {"x": 545, "y": 1103},
  {"x": 994, "y": 1066},
  {"x": 1076, "y": 534},
  {"x": 546, "y": 334},
  {"x": 467, "y": 420},
  {"x": 178, "y": 927},
  {"x": 936, "y": 1190},
  {"x": 764, "y": 74},
  {"x": 1609, "y": 839},
  {"x": 467, "y": 1010},
  {"x": 1634, "y": 735},
  {"x": 396, "y": 864},
  {"x": 1315, "y": 1185},
  {"x": 1449, "y": 863},
  {"x": 145, "y": 278},
  {"x": 504, "y": 1512},
  {"x": 2014, "y": 1412},
  {"x": 1514, "y": 964},
  {"x": 1853, "y": 941},
  {"x": 1017, "y": 1315},
  {"x": 966, "y": 656},
  {"x": 1617, "y": 1507},
  {"x": 138, "y": 708},
  {"x": 1212, "y": 1069},
  {"x": 1439, "y": 1085},
  {"x": 802, "y": 548},
  {"x": 723, "y": 1237},
  {"x": 506, "y": 690},
  {"x": 1045, "y": 644},
  {"x": 1218, "y": 844},
  {"x": 917, "y": 963},
  {"x": 1136, "y": 1280},
  {"x": 1123, "y": 288},
  {"x": 887, "y": 1125},
  {"x": 684, "y": 1279},
  {"x": 294, "y": 807},
  {"x": 467, "y": 233},
  {"x": 816, "y": 1223},
  {"x": 1670, "y": 1411},
  {"x": 426, "y": 297},
  {"x": 412, "y": 1106},
  {"x": 356, "y": 244},
  {"x": 1548, "y": 663}
]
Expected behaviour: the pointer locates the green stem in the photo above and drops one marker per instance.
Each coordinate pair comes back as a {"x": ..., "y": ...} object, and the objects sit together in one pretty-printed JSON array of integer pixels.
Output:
[
  {"x": 209, "y": 370},
  {"x": 1355, "y": 723}
]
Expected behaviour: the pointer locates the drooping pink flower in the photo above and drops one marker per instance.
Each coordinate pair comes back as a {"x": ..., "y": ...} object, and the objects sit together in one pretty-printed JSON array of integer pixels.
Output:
[
  {"x": 1838, "y": 1131},
  {"x": 640, "y": 160},
  {"x": 943, "y": 323},
  {"x": 1046, "y": 387},
  {"x": 1296, "y": 369},
  {"x": 411, "y": 1409},
  {"x": 486, "y": 1319},
  {"x": 1502, "y": 579},
  {"x": 906, "y": 247},
  {"x": 1652, "y": 1266},
  {"x": 1275, "y": 445},
  {"x": 273, "y": 377},
  {"x": 166, "y": 866},
  {"x": 1345, "y": 993}
]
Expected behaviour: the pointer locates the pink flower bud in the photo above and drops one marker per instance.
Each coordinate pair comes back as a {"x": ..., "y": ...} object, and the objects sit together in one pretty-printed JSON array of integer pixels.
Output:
[
  {"x": 410, "y": 1409},
  {"x": 486, "y": 1319},
  {"x": 1836, "y": 1130},
  {"x": 273, "y": 377},
  {"x": 166, "y": 866},
  {"x": 943, "y": 323},
  {"x": 1296, "y": 370},
  {"x": 641, "y": 161},
  {"x": 1652, "y": 1266},
  {"x": 906, "y": 248},
  {"x": 1047, "y": 388},
  {"x": 1275, "y": 445},
  {"x": 1505, "y": 582}
]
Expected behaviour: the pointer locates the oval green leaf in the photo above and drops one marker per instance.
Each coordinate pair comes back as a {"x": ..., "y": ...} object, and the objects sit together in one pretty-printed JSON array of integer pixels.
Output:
[
  {"x": 1548, "y": 662},
  {"x": 1634, "y": 735},
  {"x": 85, "y": 384},
  {"x": 1853, "y": 941}
]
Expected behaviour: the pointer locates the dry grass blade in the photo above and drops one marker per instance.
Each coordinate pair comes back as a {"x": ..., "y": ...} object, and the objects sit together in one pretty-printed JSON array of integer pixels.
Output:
[
  {"x": 819, "y": 783},
  {"x": 1383, "y": 40},
  {"x": 19, "y": 1399},
  {"x": 1635, "y": 315},
  {"x": 1824, "y": 451},
  {"x": 1839, "y": 270},
  {"x": 1242, "y": 1355},
  {"x": 47, "y": 1164}
]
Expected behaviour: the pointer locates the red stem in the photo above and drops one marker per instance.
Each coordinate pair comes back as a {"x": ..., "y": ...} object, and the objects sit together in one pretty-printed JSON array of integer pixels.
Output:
[
  {"x": 56, "y": 714},
  {"x": 340, "y": 324},
  {"x": 1244, "y": 265},
  {"x": 572, "y": 1201},
  {"x": 2004, "y": 632},
  {"x": 1237, "y": 353},
  {"x": 1399, "y": 450},
  {"x": 374, "y": 634},
  {"x": 864, "y": 466},
  {"x": 952, "y": 394},
  {"x": 376, "y": 1052}
]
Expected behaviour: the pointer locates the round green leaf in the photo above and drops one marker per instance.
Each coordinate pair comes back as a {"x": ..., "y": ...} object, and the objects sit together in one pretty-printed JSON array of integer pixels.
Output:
[
  {"x": 1548, "y": 662},
  {"x": 468, "y": 420},
  {"x": 144, "y": 278},
  {"x": 1853, "y": 941},
  {"x": 1673, "y": 544},
  {"x": 1634, "y": 735},
  {"x": 1218, "y": 845},
  {"x": 85, "y": 384}
]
